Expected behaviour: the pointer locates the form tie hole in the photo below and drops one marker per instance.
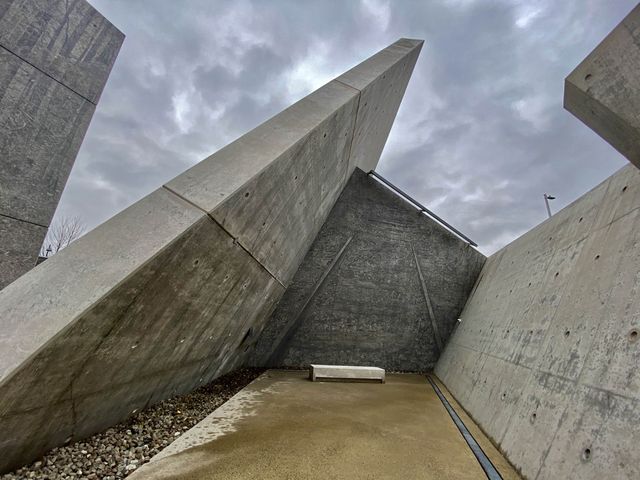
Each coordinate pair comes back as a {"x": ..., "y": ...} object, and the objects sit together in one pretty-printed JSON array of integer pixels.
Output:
[
  {"x": 633, "y": 335},
  {"x": 587, "y": 77},
  {"x": 624, "y": 189},
  {"x": 597, "y": 257},
  {"x": 586, "y": 454}
]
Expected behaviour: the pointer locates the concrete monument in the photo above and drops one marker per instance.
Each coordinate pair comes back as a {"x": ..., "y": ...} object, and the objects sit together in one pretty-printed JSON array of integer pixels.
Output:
[{"x": 55, "y": 58}]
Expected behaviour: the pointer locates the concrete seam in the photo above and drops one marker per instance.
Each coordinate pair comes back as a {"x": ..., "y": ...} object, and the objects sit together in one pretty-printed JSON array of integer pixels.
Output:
[
  {"x": 25, "y": 221},
  {"x": 550, "y": 444},
  {"x": 432, "y": 317},
  {"x": 353, "y": 137},
  {"x": 347, "y": 85},
  {"x": 278, "y": 352},
  {"x": 235, "y": 239},
  {"x": 48, "y": 75}
]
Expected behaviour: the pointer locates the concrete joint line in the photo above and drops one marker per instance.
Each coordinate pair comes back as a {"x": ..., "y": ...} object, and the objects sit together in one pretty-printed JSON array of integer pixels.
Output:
[
  {"x": 278, "y": 353},
  {"x": 353, "y": 134},
  {"x": 47, "y": 75},
  {"x": 24, "y": 221},
  {"x": 347, "y": 85},
  {"x": 235, "y": 239},
  {"x": 489, "y": 469},
  {"x": 432, "y": 317}
]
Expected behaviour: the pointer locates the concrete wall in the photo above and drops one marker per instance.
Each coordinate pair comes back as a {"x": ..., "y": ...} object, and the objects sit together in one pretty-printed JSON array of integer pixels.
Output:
[
  {"x": 165, "y": 295},
  {"x": 603, "y": 90},
  {"x": 357, "y": 298},
  {"x": 546, "y": 358},
  {"x": 55, "y": 58}
]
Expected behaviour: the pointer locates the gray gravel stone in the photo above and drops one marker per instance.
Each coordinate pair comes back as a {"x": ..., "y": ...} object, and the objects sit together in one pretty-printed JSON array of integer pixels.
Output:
[{"x": 120, "y": 450}]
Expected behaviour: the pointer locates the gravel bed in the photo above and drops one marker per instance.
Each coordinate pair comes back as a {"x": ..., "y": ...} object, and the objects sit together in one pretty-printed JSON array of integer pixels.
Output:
[{"x": 121, "y": 449}]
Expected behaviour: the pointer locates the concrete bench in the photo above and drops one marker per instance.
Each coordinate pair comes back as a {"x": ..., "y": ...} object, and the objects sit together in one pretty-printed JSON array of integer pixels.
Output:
[{"x": 345, "y": 373}]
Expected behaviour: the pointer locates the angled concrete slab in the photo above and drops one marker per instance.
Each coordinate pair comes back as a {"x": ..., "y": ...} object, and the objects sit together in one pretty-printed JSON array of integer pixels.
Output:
[
  {"x": 71, "y": 42},
  {"x": 55, "y": 58},
  {"x": 603, "y": 90},
  {"x": 172, "y": 292}
]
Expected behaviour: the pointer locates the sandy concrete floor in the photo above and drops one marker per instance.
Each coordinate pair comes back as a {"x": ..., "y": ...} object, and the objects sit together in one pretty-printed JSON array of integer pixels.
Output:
[{"x": 282, "y": 426}]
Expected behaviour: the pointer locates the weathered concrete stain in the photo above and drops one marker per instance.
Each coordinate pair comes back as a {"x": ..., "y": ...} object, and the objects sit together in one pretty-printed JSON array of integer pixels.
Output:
[
  {"x": 55, "y": 58},
  {"x": 546, "y": 357}
]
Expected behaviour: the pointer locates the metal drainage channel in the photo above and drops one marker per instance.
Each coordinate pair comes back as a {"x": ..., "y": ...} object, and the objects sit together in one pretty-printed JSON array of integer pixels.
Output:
[{"x": 488, "y": 467}]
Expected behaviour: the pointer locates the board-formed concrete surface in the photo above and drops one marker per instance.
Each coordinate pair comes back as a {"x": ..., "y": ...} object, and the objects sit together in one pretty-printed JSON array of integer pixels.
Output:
[
  {"x": 358, "y": 297},
  {"x": 171, "y": 292},
  {"x": 603, "y": 90},
  {"x": 55, "y": 57},
  {"x": 546, "y": 357},
  {"x": 284, "y": 426}
]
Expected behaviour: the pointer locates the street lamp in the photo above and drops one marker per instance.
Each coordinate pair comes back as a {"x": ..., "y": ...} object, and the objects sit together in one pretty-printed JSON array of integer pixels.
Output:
[{"x": 548, "y": 197}]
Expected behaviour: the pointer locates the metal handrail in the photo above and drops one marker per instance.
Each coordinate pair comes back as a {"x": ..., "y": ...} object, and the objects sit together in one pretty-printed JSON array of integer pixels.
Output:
[{"x": 422, "y": 208}]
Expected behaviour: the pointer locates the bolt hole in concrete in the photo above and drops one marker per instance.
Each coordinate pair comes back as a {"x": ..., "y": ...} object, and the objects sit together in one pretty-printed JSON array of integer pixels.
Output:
[
  {"x": 633, "y": 335},
  {"x": 586, "y": 454},
  {"x": 597, "y": 257},
  {"x": 533, "y": 416},
  {"x": 246, "y": 194}
]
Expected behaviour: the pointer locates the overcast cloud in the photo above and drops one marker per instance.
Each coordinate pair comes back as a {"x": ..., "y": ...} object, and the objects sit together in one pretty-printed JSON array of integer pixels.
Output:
[{"x": 480, "y": 136}]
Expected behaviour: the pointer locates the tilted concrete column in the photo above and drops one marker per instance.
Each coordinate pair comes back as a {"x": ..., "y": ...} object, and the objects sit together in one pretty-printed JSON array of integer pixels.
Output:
[
  {"x": 173, "y": 291},
  {"x": 603, "y": 90},
  {"x": 55, "y": 57}
]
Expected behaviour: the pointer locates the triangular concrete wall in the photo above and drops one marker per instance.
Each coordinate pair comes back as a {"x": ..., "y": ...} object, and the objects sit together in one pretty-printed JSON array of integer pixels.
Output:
[{"x": 358, "y": 297}]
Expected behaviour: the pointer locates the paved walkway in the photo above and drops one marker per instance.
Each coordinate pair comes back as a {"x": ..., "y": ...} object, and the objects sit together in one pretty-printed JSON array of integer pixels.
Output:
[{"x": 282, "y": 426}]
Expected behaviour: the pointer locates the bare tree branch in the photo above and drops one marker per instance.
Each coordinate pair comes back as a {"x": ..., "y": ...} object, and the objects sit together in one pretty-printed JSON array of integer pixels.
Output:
[{"x": 64, "y": 231}]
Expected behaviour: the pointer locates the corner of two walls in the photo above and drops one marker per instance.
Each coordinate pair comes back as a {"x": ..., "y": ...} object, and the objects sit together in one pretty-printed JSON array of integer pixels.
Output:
[
  {"x": 358, "y": 297},
  {"x": 546, "y": 356}
]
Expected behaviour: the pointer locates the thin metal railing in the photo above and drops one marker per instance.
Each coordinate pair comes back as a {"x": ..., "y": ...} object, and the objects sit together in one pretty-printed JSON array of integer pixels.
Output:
[{"x": 422, "y": 208}]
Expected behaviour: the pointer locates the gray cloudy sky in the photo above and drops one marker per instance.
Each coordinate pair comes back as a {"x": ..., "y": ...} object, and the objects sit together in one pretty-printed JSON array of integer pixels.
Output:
[{"x": 480, "y": 135}]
